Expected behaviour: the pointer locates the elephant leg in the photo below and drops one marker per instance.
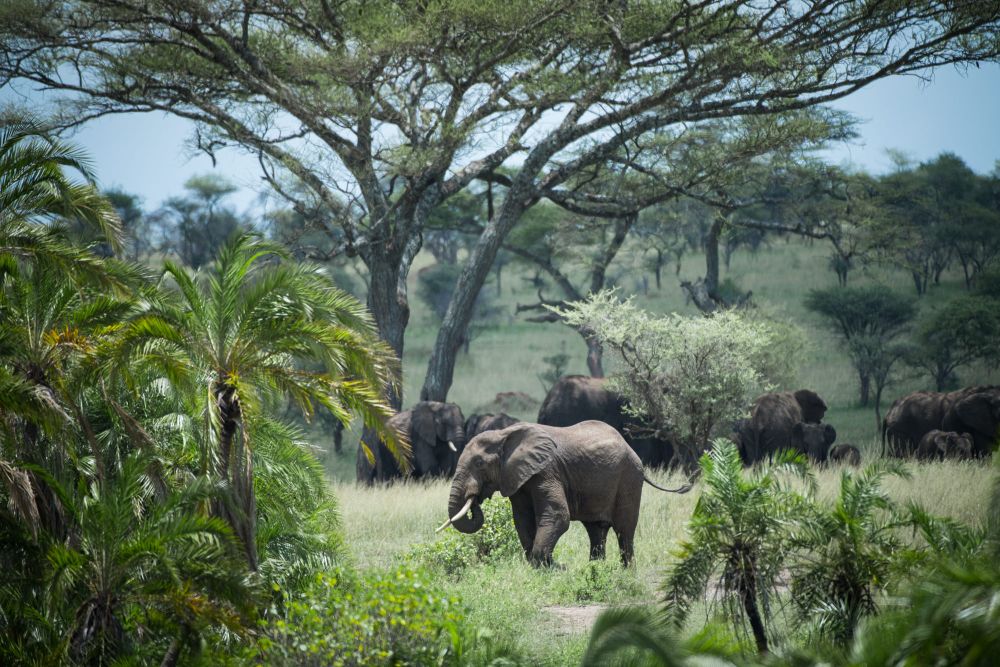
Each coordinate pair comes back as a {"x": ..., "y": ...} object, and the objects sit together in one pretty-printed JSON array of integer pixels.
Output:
[
  {"x": 598, "y": 533},
  {"x": 626, "y": 545},
  {"x": 523, "y": 510},
  {"x": 551, "y": 518}
]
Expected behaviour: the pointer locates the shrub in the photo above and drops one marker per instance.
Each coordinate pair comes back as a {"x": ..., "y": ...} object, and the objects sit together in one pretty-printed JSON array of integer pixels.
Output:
[
  {"x": 396, "y": 617},
  {"x": 496, "y": 540},
  {"x": 684, "y": 375},
  {"x": 600, "y": 580}
]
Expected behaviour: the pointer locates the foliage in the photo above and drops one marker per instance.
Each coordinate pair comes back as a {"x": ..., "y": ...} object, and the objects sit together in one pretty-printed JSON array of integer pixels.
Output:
[
  {"x": 231, "y": 339},
  {"x": 600, "y": 580},
  {"x": 37, "y": 197},
  {"x": 739, "y": 534},
  {"x": 555, "y": 368},
  {"x": 868, "y": 320},
  {"x": 963, "y": 331},
  {"x": 685, "y": 375},
  {"x": 496, "y": 540},
  {"x": 848, "y": 553},
  {"x": 395, "y": 617},
  {"x": 196, "y": 227}
]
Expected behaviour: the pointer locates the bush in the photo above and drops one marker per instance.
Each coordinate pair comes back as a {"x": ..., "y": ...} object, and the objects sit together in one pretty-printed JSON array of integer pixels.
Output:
[
  {"x": 600, "y": 581},
  {"x": 455, "y": 551},
  {"x": 396, "y": 617}
]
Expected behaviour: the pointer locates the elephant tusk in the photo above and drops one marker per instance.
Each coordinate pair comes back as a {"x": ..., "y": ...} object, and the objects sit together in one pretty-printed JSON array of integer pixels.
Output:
[
  {"x": 451, "y": 446},
  {"x": 458, "y": 515}
]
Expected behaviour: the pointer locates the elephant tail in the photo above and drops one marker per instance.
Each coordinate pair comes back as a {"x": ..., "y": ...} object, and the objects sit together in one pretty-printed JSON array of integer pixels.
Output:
[{"x": 683, "y": 489}]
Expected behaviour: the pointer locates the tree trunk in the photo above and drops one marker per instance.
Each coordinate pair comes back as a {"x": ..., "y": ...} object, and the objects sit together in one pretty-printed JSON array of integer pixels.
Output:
[
  {"x": 866, "y": 381},
  {"x": 441, "y": 366},
  {"x": 748, "y": 596},
  {"x": 595, "y": 357},
  {"x": 712, "y": 257},
  {"x": 389, "y": 306},
  {"x": 659, "y": 267},
  {"x": 235, "y": 466}
]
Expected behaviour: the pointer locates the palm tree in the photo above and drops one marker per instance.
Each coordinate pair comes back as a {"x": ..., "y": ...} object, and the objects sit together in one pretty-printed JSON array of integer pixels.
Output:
[
  {"x": 239, "y": 335},
  {"x": 36, "y": 194},
  {"x": 739, "y": 534}
]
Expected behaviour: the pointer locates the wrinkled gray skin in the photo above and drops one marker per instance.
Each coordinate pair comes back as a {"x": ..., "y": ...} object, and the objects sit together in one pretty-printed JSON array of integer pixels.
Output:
[
  {"x": 938, "y": 445},
  {"x": 788, "y": 420},
  {"x": 976, "y": 411},
  {"x": 553, "y": 475},
  {"x": 910, "y": 418},
  {"x": 576, "y": 398},
  {"x": 845, "y": 455},
  {"x": 429, "y": 426},
  {"x": 477, "y": 424}
]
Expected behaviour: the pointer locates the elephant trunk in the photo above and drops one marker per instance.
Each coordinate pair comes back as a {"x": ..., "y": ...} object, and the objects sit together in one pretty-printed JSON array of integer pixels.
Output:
[
  {"x": 460, "y": 494},
  {"x": 456, "y": 435}
]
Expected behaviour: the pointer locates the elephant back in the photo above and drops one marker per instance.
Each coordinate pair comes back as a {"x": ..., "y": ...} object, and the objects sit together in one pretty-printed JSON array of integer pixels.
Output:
[
  {"x": 912, "y": 417},
  {"x": 577, "y": 398},
  {"x": 772, "y": 420}
]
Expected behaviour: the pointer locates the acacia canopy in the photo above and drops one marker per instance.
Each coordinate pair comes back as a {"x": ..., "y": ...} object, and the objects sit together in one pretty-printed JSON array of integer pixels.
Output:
[{"x": 380, "y": 111}]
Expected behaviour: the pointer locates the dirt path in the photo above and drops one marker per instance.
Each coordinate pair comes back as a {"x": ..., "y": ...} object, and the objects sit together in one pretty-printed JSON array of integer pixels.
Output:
[{"x": 574, "y": 620}]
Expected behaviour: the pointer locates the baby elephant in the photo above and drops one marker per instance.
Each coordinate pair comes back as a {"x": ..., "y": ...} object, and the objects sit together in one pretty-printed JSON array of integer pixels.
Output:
[
  {"x": 940, "y": 445},
  {"x": 845, "y": 454}
]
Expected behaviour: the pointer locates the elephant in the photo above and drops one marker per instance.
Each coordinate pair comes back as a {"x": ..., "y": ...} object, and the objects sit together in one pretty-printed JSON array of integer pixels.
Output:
[
  {"x": 845, "y": 454},
  {"x": 576, "y": 398},
  {"x": 436, "y": 434},
  {"x": 477, "y": 424},
  {"x": 553, "y": 475},
  {"x": 910, "y": 418},
  {"x": 940, "y": 445},
  {"x": 742, "y": 435},
  {"x": 788, "y": 420},
  {"x": 976, "y": 411}
]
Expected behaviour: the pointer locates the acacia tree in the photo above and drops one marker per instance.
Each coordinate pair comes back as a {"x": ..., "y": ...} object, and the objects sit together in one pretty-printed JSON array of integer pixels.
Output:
[
  {"x": 378, "y": 109},
  {"x": 685, "y": 376},
  {"x": 868, "y": 320}
]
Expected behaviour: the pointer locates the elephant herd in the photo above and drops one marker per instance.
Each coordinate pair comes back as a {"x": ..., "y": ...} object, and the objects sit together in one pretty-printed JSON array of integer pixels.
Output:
[
  {"x": 957, "y": 424},
  {"x": 923, "y": 424},
  {"x": 584, "y": 459}
]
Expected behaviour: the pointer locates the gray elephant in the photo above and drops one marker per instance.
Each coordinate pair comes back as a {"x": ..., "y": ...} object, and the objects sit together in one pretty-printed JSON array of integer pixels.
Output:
[
  {"x": 553, "y": 475},
  {"x": 477, "y": 424},
  {"x": 910, "y": 418},
  {"x": 845, "y": 454},
  {"x": 976, "y": 411},
  {"x": 576, "y": 398},
  {"x": 937, "y": 445},
  {"x": 436, "y": 435},
  {"x": 788, "y": 420}
]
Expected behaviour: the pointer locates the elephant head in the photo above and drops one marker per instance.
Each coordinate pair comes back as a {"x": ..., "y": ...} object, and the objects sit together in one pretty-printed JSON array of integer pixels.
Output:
[
  {"x": 814, "y": 440},
  {"x": 495, "y": 461},
  {"x": 813, "y": 407},
  {"x": 978, "y": 413},
  {"x": 436, "y": 436},
  {"x": 959, "y": 446}
]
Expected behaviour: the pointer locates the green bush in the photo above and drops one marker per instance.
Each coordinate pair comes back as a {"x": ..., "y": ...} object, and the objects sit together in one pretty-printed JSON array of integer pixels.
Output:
[
  {"x": 600, "y": 581},
  {"x": 395, "y": 617},
  {"x": 496, "y": 540}
]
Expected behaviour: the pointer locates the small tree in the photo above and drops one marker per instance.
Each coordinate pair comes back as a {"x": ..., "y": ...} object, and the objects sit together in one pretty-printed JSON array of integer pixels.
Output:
[
  {"x": 964, "y": 331},
  {"x": 739, "y": 534},
  {"x": 868, "y": 319},
  {"x": 683, "y": 375}
]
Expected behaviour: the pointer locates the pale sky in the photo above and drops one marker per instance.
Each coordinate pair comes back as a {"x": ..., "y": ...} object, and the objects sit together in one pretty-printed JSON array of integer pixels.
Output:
[{"x": 956, "y": 111}]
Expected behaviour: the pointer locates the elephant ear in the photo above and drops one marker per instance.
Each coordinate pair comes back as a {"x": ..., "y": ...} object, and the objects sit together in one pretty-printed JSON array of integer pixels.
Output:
[
  {"x": 979, "y": 412},
  {"x": 423, "y": 425},
  {"x": 830, "y": 433},
  {"x": 526, "y": 452}
]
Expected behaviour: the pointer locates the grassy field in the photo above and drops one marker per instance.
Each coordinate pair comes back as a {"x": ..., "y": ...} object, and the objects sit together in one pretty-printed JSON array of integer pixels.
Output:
[{"x": 546, "y": 613}]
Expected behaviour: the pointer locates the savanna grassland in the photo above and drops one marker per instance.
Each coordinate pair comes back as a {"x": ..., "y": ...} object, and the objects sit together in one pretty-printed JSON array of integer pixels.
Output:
[{"x": 546, "y": 614}]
